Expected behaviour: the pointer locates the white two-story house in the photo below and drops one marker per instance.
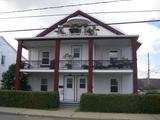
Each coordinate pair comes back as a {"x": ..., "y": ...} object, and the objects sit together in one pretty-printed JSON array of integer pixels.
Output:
[
  {"x": 80, "y": 54},
  {"x": 7, "y": 56}
]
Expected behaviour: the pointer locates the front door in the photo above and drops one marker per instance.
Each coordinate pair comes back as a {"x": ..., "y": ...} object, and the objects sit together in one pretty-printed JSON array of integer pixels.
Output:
[
  {"x": 69, "y": 88},
  {"x": 74, "y": 86},
  {"x": 81, "y": 86}
]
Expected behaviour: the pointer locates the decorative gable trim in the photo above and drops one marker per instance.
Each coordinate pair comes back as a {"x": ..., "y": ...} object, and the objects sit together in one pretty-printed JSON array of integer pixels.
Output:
[{"x": 48, "y": 30}]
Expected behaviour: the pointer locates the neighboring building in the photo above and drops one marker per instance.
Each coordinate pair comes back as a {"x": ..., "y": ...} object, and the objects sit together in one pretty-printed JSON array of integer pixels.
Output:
[
  {"x": 153, "y": 83},
  {"x": 80, "y": 54},
  {"x": 7, "y": 56}
]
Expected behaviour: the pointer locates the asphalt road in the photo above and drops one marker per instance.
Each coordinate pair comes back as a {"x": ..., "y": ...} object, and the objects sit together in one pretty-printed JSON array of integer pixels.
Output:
[{"x": 25, "y": 117}]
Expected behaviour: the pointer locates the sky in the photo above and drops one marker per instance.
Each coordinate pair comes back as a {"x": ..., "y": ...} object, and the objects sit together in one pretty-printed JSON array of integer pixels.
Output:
[{"x": 149, "y": 33}]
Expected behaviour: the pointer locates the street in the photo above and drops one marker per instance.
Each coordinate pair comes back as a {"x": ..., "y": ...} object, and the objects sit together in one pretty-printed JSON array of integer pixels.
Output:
[{"x": 25, "y": 117}]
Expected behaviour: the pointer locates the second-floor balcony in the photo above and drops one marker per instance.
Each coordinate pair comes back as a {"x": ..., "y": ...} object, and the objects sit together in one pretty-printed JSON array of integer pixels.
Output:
[{"x": 78, "y": 65}]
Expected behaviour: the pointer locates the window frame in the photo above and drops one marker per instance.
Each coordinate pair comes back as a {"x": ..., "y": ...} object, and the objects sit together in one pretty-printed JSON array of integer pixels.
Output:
[
  {"x": 44, "y": 86},
  {"x": 73, "y": 51},
  {"x": 111, "y": 57},
  {"x": 45, "y": 58},
  {"x": 114, "y": 85},
  {"x": 82, "y": 85},
  {"x": 71, "y": 83}
]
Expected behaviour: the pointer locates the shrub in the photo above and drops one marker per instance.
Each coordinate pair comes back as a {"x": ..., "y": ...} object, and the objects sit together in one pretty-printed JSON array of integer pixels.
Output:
[
  {"x": 26, "y": 99},
  {"x": 120, "y": 103},
  {"x": 153, "y": 92},
  {"x": 150, "y": 103},
  {"x": 8, "y": 79}
]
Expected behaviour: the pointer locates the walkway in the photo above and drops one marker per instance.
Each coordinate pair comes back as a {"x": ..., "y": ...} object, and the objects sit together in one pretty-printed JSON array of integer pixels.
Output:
[{"x": 72, "y": 112}]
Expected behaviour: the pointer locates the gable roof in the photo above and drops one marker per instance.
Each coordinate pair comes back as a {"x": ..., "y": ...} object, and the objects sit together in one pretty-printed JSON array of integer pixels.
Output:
[
  {"x": 9, "y": 45},
  {"x": 48, "y": 30}
]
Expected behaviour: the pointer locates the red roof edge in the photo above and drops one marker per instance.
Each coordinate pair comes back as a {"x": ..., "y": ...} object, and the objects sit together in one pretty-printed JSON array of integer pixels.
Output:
[
  {"x": 138, "y": 44},
  {"x": 78, "y": 12}
]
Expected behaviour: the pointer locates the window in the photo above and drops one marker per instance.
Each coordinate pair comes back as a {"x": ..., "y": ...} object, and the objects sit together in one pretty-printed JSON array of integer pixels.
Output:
[
  {"x": 82, "y": 83},
  {"x": 114, "y": 85},
  {"x": 76, "y": 52},
  {"x": 43, "y": 84},
  {"x": 45, "y": 57},
  {"x": 113, "y": 55},
  {"x": 2, "y": 60},
  {"x": 69, "y": 82}
]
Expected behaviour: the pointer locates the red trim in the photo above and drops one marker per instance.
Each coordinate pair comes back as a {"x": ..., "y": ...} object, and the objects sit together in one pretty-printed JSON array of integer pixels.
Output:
[
  {"x": 90, "y": 68},
  {"x": 138, "y": 45},
  {"x": 45, "y": 32},
  {"x": 18, "y": 64},
  {"x": 134, "y": 64},
  {"x": 56, "y": 67},
  {"x": 115, "y": 37}
]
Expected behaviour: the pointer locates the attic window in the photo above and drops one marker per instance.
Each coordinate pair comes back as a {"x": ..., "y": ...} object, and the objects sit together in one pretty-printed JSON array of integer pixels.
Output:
[{"x": 78, "y": 20}]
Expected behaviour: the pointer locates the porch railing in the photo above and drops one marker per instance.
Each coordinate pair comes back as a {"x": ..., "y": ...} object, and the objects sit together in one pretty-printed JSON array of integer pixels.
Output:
[
  {"x": 79, "y": 64},
  {"x": 112, "y": 64},
  {"x": 37, "y": 64},
  {"x": 73, "y": 64}
]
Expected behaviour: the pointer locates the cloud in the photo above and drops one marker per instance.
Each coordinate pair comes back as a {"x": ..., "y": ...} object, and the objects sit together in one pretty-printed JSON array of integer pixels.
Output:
[
  {"x": 143, "y": 71},
  {"x": 156, "y": 24},
  {"x": 149, "y": 36}
]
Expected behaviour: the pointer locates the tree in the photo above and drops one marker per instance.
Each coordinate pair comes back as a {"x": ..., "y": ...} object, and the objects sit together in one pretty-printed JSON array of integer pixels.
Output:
[{"x": 8, "y": 79}]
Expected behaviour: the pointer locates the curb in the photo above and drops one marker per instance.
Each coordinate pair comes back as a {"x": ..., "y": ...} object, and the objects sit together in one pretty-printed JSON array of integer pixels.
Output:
[{"x": 50, "y": 116}]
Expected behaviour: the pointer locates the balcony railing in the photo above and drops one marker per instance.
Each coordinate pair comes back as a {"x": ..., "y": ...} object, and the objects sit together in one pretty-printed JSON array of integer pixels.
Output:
[
  {"x": 37, "y": 64},
  {"x": 73, "y": 64},
  {"x": 79, "y": 64},
  {"x": 77, "y": 31},
  {"x": 112, "y": 64}
]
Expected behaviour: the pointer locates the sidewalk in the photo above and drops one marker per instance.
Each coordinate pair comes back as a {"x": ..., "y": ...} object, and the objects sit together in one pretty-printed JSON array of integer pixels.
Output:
[{"x": 70, "y": 112}]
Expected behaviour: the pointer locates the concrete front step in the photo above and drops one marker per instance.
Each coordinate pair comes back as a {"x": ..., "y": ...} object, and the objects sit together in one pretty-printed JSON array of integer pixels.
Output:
[{"x": 69, "y": 104}]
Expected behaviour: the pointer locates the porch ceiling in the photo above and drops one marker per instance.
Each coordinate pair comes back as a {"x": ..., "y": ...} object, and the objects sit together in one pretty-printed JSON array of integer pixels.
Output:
[
  {"x": 49, "y": 41},
  {"x": 114, "y": 43},
  {"x": 79, "y": 37},
  {"x": 29, "y": 44}
]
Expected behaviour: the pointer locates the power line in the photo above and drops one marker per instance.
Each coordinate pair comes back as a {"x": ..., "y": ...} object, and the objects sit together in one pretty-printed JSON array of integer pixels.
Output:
[
  {"x": 32, "y": 29},
  {"x": 107, "y": 24},
  {"x": 156, "y": 70},
  {"x": 54, "y": 15},
  {"x": 156, "y": 67},
  {"x": 145, "y": 21},
  {"x": 62, "y": 6}
]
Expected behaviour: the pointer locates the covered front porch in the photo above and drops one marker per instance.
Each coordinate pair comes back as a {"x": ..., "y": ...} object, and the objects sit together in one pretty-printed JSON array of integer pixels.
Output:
[
  {"x": 73, "y": 84},
  {"x": 111, "y": 83},
  {"x": 89, "y": 63}
]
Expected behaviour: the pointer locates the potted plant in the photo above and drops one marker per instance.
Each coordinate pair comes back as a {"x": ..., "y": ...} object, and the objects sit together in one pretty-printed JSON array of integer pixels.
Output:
[
  {"x": 125, "y": 62},
  {"x": 68, "y": 57},
  {"x": 74, "y": 29},
  {"x": 92, "y": 30},
  {"x": 85, "y": 66},
  {"x": 68, "y": 65}
]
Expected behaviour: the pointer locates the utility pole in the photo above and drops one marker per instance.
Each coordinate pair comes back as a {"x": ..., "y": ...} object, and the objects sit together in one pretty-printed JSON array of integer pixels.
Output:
[{"x": 148, "y": 76}]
